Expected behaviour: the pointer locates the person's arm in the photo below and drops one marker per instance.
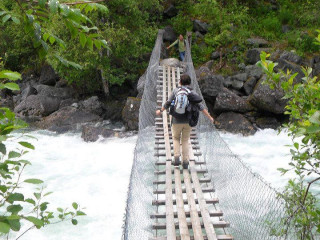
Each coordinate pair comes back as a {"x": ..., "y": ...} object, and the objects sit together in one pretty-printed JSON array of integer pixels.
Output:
[
  {"x": 205, "y": 112},
  {"x": 176, "y": 42},
  {"x": 166, "y": 105}
]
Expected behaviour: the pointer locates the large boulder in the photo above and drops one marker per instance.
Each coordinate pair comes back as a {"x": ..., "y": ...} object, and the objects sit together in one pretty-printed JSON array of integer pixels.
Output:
[
  {"x": 199, "y": 26},
  {"x": 253, "y": 55},
  {"x": 253, "y": 71},
  {"x": 249, "y": 85},
  {"x": 291, "y": 66},
  {"x": 238, "y": 80},
  {"x": 268, "y": 122},
  {"x": 235, "y": 123},
  {"x": 169, "y": 34},
  {"x": 48, "y": 76},
  {"x": 27, "y": 91},
  {"x": 113, "y": 110},
  {"x": 267, "y": 99},
  {"x": 211, "y": 85},
  {"x": 37, "y": 105},
  {"x": 49, "y": 91},
  {"x": 130, "y": 113},
  {"x": 291, "y": 57},
  {"x": 93, "y": 105},
  {"x": 257, "y": 42},
  {"x": 170, "y": 11},
  {"x": 140, "y": 85},
  {"x": 67, "y": 118},
  {"x": 171, "y": 62},
  {"x": 227, "y": 101},
  {"x": 92, "y": 133},
  {"x": 203, "y": 72}
]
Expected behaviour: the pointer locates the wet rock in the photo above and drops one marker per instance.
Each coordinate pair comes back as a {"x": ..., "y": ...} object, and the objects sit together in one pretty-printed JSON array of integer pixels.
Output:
[
  {"x": 170, "y": 11},
  {"x": 249, "y": 85},
  {"x": 37, "y": 105},
  {"x": 235, "y": 123},
  {"x": 200, "y": 26},
  {"x": 227, "y": 101},
  {"x": 169, "y": 34},
  {"x": 172, "y": 62},
  {"x": 268, "y": 122},
  {"x": 93, "y": 105},
  {"x": 253, "y": 55},
  {"x": 253, "y": 71},
  {"x": 66, "y": 119},
  {"x": 291, "y": 57},
  {"x": 257, "y": 42},
  {"x": 267, "y": 99},
  {"x": 92, "y": 133},
  {"x": 130, "y": 113},
  {"x": 67, "y": 102},
  {"x": 49, "y": 91},
  {"x": 48, "y": 76},
  {"x": 113, "y": 110},
  {"x": 211, "y": 85}
]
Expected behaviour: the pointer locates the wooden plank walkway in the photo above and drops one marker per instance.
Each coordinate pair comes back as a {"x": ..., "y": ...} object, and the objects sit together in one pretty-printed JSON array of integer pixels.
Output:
[{"x": 186, "y": 206}]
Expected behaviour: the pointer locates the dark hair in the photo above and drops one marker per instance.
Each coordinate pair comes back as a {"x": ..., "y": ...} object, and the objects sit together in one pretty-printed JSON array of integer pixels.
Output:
[{"x": 185, "y": 79}]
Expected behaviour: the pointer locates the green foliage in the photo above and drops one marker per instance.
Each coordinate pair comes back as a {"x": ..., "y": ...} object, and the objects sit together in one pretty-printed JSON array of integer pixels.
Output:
[{"x": 302, "y": 208}]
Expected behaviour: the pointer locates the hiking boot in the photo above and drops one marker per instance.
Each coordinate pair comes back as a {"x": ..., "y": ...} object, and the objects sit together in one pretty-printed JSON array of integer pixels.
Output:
[
  {"x": 185, "y": 164},
  {"x": 176, "y": 161}
]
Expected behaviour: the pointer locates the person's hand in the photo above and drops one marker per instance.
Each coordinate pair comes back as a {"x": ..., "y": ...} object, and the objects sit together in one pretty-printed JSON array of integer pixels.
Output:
[
  {"x": 168, "y": 47},
  {"x": 158, "y": 112},
  {"x": 212, "y": 120}
]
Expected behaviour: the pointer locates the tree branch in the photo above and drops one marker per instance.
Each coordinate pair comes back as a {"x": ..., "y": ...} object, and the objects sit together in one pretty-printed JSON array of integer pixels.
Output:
[{"x": 305, "y": 195}]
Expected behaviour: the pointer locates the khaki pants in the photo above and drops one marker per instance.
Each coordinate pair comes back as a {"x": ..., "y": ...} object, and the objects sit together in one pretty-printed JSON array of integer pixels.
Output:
[{"x": 181, "y": 132}]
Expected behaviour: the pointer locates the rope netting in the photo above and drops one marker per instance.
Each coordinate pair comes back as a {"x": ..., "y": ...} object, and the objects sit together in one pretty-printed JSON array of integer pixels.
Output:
[{"x": 247, "y": 201}]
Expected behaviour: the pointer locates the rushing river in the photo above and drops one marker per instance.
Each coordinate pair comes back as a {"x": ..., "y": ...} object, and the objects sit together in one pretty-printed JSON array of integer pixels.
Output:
[{"x": 96, "y": 175}]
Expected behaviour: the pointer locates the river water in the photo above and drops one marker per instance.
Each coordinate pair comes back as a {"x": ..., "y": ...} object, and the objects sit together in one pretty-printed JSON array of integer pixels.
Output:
[{"x": 96, "y": 175}]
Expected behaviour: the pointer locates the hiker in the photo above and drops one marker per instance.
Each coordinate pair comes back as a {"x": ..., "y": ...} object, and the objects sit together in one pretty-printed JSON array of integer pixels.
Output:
[
  {"x": 179, "y": 101},
  {"x": 182, "y": 46}
]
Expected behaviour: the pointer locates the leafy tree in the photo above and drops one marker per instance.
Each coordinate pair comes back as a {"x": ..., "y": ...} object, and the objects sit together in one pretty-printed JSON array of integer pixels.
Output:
[{"x": 303, "y": 107}]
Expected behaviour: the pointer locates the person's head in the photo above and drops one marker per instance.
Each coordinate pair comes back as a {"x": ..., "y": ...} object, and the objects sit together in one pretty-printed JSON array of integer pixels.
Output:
[
  {"x": 180, "y": 37},
  {"x": 185, "y": 80}
]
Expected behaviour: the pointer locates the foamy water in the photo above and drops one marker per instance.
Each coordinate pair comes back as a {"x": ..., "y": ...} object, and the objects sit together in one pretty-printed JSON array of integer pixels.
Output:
[{"x": 96, "y": 175}]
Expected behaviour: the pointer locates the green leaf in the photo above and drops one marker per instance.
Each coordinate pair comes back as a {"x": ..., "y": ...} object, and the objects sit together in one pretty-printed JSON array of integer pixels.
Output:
[
  {"x": 75, "y": 205},
  {"x": 3, "y": 188},
  {"x": 37, "y": 195},
  {"x": 15, "y": 224},
  {"x": 12, "y": 86},
  {"x": 31, "y": 201},
  {"x": 3, "y": 149},
  {"x": 35, "y": 221},
  {"x": 15, "y": 20},
  {"x": 313, "y": 129},
  {"x": 27, "y": 145},
  {"x": 296, "y": 145},
  {"x": 4, "y": 228},
  {"x": 52, "y": 40},
  {"x": 97, "y": 43},
  {"x": 14, "y": 209},
  {"x": 6, "y": 18},
  {"x": 83, "y": 39},
  {"x": 315, "y": 118},
  {"x": 15, "y": 197},
  {"x": 53, "y": 5},
  {"x": 33, "y": 181},
  {"x": 80, "y": 213},
  {"x": 42, "y": 3},
  {"x": 46, "y": 194},
  {"x": 90, "y": 43},
  {"x": 14, "y": 154},
  {"x": 46, "y": 36},
  {"x": 25, "y": 162},
  {"x": 2, "y": 13},
  {"x": 60, "y": 210},
  {"x": 74, "y": 221},
  {"x": 10, "y": 75}
]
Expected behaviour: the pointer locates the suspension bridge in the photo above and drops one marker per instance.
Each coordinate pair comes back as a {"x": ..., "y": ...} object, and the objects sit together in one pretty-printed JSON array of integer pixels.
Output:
[{"x": 217, "y": 198}]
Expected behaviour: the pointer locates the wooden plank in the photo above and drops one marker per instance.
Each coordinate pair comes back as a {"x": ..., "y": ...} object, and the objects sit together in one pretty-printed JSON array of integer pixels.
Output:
[
  {"x": 170, "y": 227},
  {"x": 216, "y": 224},
  {"x": 196, "y": 226},
  {"x": 185, "y": 201},
  {"x": 220, "y": 237},
  {"x": 160, "y": 163},
  {"x": 178, "y": 77},
  {"x": 164, "y": 172},
  {"x": 163, "y": 191},
  {"x": 201, "y": 180},
  {"x": 202, "y": 203},
  {"x": 163, "y": 215}
]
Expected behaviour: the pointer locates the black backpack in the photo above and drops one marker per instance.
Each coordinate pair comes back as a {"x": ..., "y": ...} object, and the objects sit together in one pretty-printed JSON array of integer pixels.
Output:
[{"x": 193, "y": 109}]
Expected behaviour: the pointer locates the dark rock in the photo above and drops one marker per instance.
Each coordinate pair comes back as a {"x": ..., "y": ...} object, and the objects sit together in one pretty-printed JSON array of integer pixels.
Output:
[
  {"x": 112, "y": 110},
  {"x": 199, "y": 36},
  {"x": 242, "y": 77},
  {"x": 275, "y": 55},
  {"x": 215, "y": 55},
  {"x": 27, "y": 91},
  {"x": 48, "y": 76},
  {"x": 66, "y": 119},
  {"x": 93, "y": 105},
  {"x": 242, "y": 66},
  {"x": 200, "y": 26},
  {"x": 253, "y": 55},
  {"x": 227, "y": 82},
  {"x": 268, "y": 122},
  {"x": 203, "y": 72},
  {"x": 257, "y": 42},
  {"x": 48, "y": 91},
  {"x": 61, "y": 83},
  {"x": 286, "y": 28},
  {"x": 37, "y": 105},
  {"x": 249, "y": 85},
  {"x": 169, "y": 34},
  {"x": 267, "y": 99},
  {"x": 130, "y": 113},
  {"x": 91, "y": 133},
  {"x": 140, "y": 85},
  {"x": 294, "y": 68},
  {"x": 209, "y": 64},
  {"x": 291, "y": 57},
  {"x": 7, "y": 102},
  {"x": 163, "y": 53},
  {"x": 253, "y": 71},
  {"x": 316, "y": 69},
  {"x": 170, "y": 11},
  {"x": 235, "y": 123},
  {"x": 237, "y": 84},
  {"x": 227, "y": 101},
  {"x": 67, "y": 102},
  {"x": 211, "y": 85}
]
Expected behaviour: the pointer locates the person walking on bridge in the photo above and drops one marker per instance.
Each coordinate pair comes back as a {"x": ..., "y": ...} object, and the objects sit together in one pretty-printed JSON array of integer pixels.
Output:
[
  {"x": 182, "y": 46},
  {"x": 178, "y": 102}
]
